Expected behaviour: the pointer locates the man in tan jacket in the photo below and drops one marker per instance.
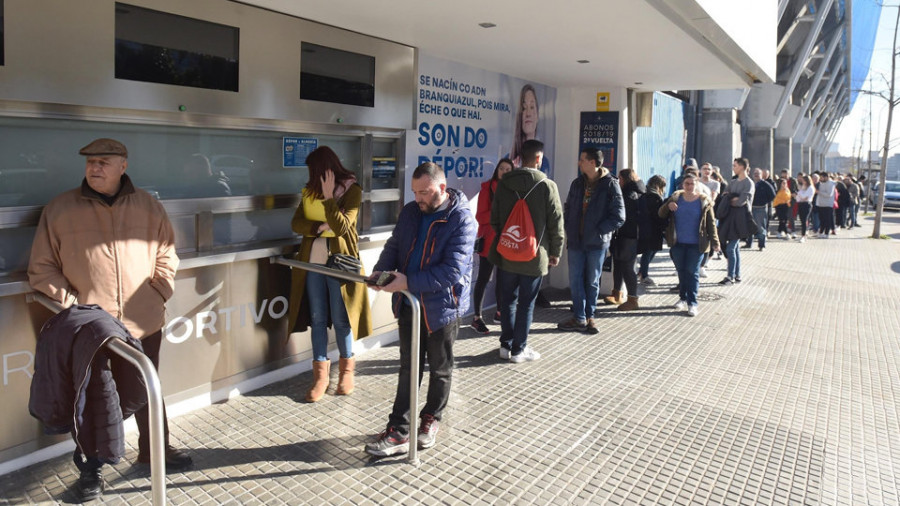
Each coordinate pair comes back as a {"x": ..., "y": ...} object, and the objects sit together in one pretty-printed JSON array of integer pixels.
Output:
[{"x": 111, "y": 244}]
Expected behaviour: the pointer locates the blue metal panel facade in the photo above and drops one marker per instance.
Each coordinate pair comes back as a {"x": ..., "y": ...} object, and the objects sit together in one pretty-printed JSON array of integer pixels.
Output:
[{"x": 659, "y": 149}]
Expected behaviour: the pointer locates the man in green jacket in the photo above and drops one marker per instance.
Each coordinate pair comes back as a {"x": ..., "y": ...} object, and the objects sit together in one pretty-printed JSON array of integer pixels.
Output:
[{"x": 520, "y": 281}]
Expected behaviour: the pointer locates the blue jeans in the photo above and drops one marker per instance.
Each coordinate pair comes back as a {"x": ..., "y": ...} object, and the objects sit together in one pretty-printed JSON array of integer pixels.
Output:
[
  {"x": 761, "y": 217},
  {"x": 646, "y": 258},
  {"x": 687, "y": 258},
  {"x": 733, "y": 252},
  {"x": 324, "y": 296},
  {"x": 517, "y": 295},
  {"x": 585, "y": 267}
]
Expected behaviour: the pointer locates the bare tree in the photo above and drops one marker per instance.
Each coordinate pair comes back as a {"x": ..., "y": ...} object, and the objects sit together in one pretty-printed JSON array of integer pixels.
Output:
[{"x": 892, "y": 102}]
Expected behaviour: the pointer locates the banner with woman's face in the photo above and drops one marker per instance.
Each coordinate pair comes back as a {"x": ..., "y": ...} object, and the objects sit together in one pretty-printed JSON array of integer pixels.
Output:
[{"x": 469, "y": 118}]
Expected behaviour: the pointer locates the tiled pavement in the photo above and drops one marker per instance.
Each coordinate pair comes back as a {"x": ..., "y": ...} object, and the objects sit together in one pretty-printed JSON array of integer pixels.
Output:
[{"x": 784, "y": 390}]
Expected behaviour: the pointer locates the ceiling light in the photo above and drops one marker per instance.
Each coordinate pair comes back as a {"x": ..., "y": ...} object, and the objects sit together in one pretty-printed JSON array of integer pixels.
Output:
[
  {"x": 584, "y": 61},
  {"x": 487, "y": 24}
]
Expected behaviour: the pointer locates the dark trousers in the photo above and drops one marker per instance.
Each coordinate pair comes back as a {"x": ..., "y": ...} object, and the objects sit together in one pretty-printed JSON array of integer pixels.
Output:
[
  {"x": 783, "y": 212},
  {"x": 435, "y": 347},
  {"x": 803, "y": 209},
  {"x": 485, "y": 269},
  {"x": 518, "y": 294},
  {"x": 624, "y": 259},
  {"x": 151, "y": 345},
  {"x": 826, "y": 219}
]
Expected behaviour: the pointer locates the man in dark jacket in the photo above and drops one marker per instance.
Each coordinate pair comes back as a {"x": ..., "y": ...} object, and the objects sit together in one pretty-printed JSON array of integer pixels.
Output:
[
  {"x": 520, "y": 280},
  {"x": 594, "y": 210},
  {"x": 430, "y": 255},
  {"x": 763, "y": 196}
]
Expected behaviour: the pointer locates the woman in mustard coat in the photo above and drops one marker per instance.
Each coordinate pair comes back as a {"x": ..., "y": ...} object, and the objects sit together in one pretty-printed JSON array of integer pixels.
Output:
[{"x": 326, "y": 219}]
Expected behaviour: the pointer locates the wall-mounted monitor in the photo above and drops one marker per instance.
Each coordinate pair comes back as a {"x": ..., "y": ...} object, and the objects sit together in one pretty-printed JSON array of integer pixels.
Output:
[
  {"x": 333, "y": 75},
  {"x": 160, "y": 47}
]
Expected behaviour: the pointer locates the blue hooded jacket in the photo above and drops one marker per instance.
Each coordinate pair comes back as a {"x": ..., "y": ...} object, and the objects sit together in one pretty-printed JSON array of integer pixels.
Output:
[{"x": 443, "y": 280}]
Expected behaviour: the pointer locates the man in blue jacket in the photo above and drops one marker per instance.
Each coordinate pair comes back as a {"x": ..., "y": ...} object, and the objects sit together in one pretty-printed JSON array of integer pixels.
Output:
[
  {"x": 430, "y": 253},
  {"x": 594, "y": 209}
]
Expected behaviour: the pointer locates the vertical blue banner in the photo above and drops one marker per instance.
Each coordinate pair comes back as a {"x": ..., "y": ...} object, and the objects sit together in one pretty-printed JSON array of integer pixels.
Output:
[{"x": 601, "y": 130}]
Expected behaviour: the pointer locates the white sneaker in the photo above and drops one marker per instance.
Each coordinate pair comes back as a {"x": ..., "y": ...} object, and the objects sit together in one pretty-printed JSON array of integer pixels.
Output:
[
  {"x": 504, "y": 353},
  {"x": 692, "y": 310},
  {"x": 703, "y": 272},
  {"x": 781, "y": 235},
  {"x": 803, "y": 239},
  {"x": 680, "y": 305},
  {"x": 793, "y": 236},
  {"x": 526, "y": 355}
]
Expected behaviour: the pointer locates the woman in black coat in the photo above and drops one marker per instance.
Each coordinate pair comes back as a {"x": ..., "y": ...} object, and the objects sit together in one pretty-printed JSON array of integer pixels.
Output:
[
  {"x": 625, "y": 243},
  {"x": 651, "y": 228}
]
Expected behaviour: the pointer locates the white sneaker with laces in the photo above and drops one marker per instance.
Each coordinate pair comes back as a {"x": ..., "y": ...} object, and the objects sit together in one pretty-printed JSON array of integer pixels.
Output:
[
  {"x": 680, "y": 305},
  {"x": 692, "y": 310},
  {"x": 703, "y": 272},
  {"x": 526, "y": 355},
  {"x": 504, "y": 353}
]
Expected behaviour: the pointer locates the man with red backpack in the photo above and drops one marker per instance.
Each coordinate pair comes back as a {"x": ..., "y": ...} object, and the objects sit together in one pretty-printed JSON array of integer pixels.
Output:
[
  {"x": 594, "y": 210},
  {"x": 527, "y": 216}
]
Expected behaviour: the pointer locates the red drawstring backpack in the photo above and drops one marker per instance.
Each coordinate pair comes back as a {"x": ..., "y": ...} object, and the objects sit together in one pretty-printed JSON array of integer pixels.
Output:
[{"x": 518, "y": 241}]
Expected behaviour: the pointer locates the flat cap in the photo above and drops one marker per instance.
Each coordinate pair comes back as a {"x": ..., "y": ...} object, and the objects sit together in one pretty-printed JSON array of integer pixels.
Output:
[{"x": 104, "y": 147}]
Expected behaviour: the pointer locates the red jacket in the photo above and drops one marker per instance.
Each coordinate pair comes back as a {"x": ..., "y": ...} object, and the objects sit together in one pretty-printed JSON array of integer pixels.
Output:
[{"x": 483, "y": 215}]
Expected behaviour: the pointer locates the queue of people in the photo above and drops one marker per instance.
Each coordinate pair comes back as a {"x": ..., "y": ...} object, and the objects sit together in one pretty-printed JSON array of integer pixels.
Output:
[{"x": 518, "y": 231}]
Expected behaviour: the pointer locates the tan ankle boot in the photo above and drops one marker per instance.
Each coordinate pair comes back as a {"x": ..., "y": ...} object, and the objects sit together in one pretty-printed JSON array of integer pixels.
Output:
[
  {"x": 615, "y": 298},
  {"x": 321, "y": 369},
  {"x": 630, "y": 305},
  {"x": 345, "y": 380}
]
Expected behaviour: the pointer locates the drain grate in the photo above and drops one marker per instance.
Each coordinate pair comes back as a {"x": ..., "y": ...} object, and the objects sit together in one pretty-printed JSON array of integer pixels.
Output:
[{"x": 709, "y": 296}]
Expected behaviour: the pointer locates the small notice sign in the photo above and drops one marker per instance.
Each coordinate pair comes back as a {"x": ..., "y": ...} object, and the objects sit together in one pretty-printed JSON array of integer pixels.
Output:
[
  {"x": 296, "y": 149},
  {"x": 603, "y": 101}
]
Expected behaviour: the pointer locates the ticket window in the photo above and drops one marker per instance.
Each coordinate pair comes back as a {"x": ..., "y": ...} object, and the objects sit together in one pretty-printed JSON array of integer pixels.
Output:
[{"x": 233, "y": 176}]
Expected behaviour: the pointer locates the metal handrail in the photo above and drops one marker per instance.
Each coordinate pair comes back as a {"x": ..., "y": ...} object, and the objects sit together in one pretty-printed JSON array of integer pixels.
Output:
[
  {"x": 154, "y": 400},
  {"x": 414, "y": 344}
]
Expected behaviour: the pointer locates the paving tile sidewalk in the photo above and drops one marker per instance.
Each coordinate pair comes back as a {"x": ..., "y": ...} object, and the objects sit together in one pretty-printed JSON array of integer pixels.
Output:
[{"x": 784, "y": 390}]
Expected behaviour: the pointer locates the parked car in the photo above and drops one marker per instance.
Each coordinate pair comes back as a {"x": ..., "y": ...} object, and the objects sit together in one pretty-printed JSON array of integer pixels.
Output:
[{"x": 891, "y": 195}]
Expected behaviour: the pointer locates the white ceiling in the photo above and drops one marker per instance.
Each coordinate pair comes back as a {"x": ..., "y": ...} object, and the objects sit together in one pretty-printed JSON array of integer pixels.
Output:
[{"x": 662, "y": 44}]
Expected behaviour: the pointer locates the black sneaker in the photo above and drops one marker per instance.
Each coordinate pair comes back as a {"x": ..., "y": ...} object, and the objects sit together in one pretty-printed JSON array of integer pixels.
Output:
[
  {"x": 542, "y": 301},
  {"x": 428, "y": 432},
  {"x": 737, "y": 279},
  {"x": 589, "y": 327},
  {"x": 726, "y": 281},
  {"x": 675, "y": 289},
  {"x": 90, "y": 485},
  {"x": 390, "y": 442},
  {"x": 479, "y": 326}
]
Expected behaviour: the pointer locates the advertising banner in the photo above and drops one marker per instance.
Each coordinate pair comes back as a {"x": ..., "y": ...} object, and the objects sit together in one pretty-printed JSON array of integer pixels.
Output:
[
  {"x": 600, "y": 130},
  {"x": 468, "y": 118}
]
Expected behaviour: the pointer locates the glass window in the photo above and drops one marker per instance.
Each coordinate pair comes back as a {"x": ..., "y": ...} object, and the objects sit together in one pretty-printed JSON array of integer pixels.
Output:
[
  {"x": 39, "y": 159},
  {"x": 332, "y": 75},
  {"x": 158, "y": 47}
]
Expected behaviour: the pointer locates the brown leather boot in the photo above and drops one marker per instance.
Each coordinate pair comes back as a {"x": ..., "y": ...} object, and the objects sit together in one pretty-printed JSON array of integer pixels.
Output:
[
  {"x": 345, "y": 380},
  {"x": 321, "y": 369},
  {"x": 630, "y": 305},
  {"x": 616, "y": 298}
]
